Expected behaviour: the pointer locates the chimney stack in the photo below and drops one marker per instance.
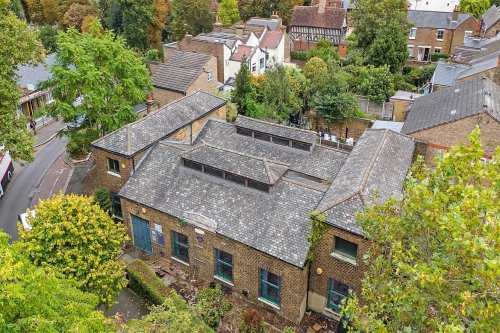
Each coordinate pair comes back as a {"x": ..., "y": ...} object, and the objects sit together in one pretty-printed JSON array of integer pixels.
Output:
[
  {"x": 321, "y": 7},
  {"x": 454, "y": 15},
  {"x": 217, "y": 25}
]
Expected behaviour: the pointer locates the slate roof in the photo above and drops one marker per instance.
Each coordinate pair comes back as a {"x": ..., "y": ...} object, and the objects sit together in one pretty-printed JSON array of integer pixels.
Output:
[
  {"x": 271, "y": 40},
  {"x": 277, "y": 130},
  {"x": 238, "y": 163},
  {"x": 180, "y": 71},
  {"x": 490, "y": 18},
  {"x": 436, "y": 20},
  {"x": 308, "y": 16},
  {"x": 447, "y": 74},
  {"x": 481, "y": 64},
  {"x": 271, "y": 23},
  {"x": 374, "y": 171},
  {"x": 163, "y": 122},
  {"x": 34, "y": 74},
  {"x": 487, "y": 47},
  {"x": 451, "y": 104},
  {"x": 323, "y": 162},
  {"x": 220, "y": 38},
  {"x": 394, "y": 126}
]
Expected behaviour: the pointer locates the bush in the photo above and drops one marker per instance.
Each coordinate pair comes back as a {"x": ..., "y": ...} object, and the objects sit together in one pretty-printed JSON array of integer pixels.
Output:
[
  {"x": 145, "y": 283},
  {"x": 80, "y": 141},
  {"x": 102, "y": 197},
  {"x": 436, "y": 56},
  {"x": 252, "y": 322},
  {"x": 289, "y": 330},
  {"x": 299, "y": 55},
  {"x": 212, "y": 306}
]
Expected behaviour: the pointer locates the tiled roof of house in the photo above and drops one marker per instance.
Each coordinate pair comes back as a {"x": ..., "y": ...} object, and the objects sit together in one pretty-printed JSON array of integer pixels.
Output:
[
  {"x": 180, "y": 71},
  {"x": 490, "y": 18},
  {"x": 451, "y": 104},
  {"x": 374, "y": 171},
  {"x": 141, "y": 134},
  {"x": 243, "y": 51},
  {"x": 436, "y": 20},
  {"x": 277, "y": 129},
  {"x": 482, "y": 64},
  {"x": 485, "y": 47},
  {"x": 228, "y": 39},
  {"x": 34, "y": 74},
  {"x": 271, "y": 40},
  {"x": 308, "y": 16},
  {"x": 446, "y": 74},
  {"x": 271, "y": 23}
]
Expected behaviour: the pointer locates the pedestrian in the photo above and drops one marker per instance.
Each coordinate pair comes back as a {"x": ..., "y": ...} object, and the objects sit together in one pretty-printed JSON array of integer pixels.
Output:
[{"x": 33, "y": 126}]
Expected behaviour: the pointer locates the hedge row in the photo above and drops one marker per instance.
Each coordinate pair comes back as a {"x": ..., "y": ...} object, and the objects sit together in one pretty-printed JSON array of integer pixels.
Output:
[
  {"x": 436, "y": 56},
  {"x": 299, "y": 55}
]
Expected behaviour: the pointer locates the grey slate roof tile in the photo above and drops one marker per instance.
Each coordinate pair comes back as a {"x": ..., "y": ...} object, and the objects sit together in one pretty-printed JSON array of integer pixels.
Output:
[
  {"x": 161, "y": 123},
  {"x": 454, "y": 103},
  {"x": 491, "y": 17},
  {"x": 276, "y": 129},
  {"x": 447, "y": 74},
  {"x": 180, "y": 71},
  {"x": 436, "y": 20},
  {"x": 34, "y": 74}
]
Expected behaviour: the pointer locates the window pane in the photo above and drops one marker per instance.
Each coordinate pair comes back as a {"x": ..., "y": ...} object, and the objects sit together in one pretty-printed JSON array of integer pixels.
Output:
[
  {"x": 262, "y": 136},
  {"x": 113, "y": 165},
  {"x": 258, "y": 185},
  {"x": 270, "y": 286},
  {"x": 223, "y": 265},
  {"x": 235, "y": 178},
  {"x": 346, "y": 247},
  {"x": 192, "y": 165},
  {"x": 301, "y": 145},
  {"x": 117, "y": 206},
  {"x": 280, "y": 141},
  {"x": 273, "y": 279},
  {"x": 340, "y": 287},
  {"x": 225, "y": 257},
  {"x": 214, "y": 172},
  {"x": 180, "y": 246},
  {"x": 337, "y": 291},
  {"x": 243, "y": 131}
]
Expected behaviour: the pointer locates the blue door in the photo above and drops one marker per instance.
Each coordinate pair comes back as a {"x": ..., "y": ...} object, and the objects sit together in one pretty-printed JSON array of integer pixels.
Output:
[{"x": 142, "y": 234}]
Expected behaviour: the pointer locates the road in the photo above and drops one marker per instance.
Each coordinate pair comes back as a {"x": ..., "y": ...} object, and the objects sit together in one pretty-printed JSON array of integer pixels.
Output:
[{"x": 25, "y": 181}]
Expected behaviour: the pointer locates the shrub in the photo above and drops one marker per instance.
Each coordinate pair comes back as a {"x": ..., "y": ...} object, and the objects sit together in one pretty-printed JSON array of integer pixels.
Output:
[
  {"x": 436, "y": 56},
  {"x": 299, "y": 55},
  {"x": 80, "y": 141},
  {"x": 102, "y": 197},
  {"x": 252, "y": 322},
  {"x": 145, "y": 283},
  {"x": 212, "y": 306}
]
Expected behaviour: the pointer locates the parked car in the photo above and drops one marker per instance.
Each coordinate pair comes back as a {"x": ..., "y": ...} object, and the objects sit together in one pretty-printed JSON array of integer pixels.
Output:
[{"x": 6, "y": 170}]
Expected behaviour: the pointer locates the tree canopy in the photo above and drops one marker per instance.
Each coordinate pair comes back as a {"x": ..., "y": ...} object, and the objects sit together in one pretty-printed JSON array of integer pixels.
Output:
[
  {"x": 434, "y": 264},
  {"x": 37, "y": 299},
  {"x": 18, "y": 46},
  {"x": 389, "y": 48},
  {"x": 190, "y": 17},
  {"x": 228, "y": 12},
  {"x": 475, "y": 7},
  {"x": 96, "y": 69},
  {"x": 76, "y": 237}
]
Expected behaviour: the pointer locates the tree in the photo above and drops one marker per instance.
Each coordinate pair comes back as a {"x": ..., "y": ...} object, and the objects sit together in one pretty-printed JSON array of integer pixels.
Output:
[
  {"x": 131, "y": 19},
  {"x": 48, "y": 36},
  {"x": 76, "y": 13},
  {"x": 77, "y": 238},
  {"x": 376, "y": 83},
  {"x": 17, "y": 47},
  {"x": 36, "y": 299},
  {"x": 389, "y": 48},
  {"x": 228, "y": 12},
  {"x": 98, "y": 70},
  {"x": 190, "y": 17},
  {"x": 475, "y": 7},
  {"x": 244, "y": 89},
  {"x": 434, "y": 263},
  {"x": 160, "y": 10},
  {"x": 17, "y": 7},
  {"x": 372, "y": 15},
  {"x": 324, "y": 50},
  {"x": 316, "y": 71}
]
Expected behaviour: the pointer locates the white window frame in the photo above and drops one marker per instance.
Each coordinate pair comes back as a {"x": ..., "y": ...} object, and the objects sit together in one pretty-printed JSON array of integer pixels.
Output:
[
  {"x": 467, "y": 33},
  {"x": 410, "y": 54},
  {"x": 210, "y": 75},
  {"x": 437, "y": 34},
  {"x": 413, "y": 33}
]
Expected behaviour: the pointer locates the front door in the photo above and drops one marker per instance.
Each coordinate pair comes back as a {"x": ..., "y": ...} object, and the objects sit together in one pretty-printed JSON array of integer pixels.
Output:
[
  {"x": 142, "y": 234},
  {"x": 427, "y": 52}
]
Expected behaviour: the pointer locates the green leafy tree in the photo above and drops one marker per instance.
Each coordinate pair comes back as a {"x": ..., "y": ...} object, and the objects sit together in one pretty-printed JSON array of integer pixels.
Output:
[
  {"x": 190, "y": 17},
  {"x": 37, "y": 299},
  {"x": 48, "y": 34},
  {"x": 17, "y": 7},
  {"x": 475, "y": 7},
  {"x": 324, "y": 50},
  {"x": 371, "y": 16},
  {"x": 228, "y": 12},
  {"x": 75, "y": 14},
  {"x": 434, "y": 264},
  {"x": 389, "y": 48},
  {"x": 335, "y": 108},
  {"x": 96, "y": 68},
  {"x": 102, "y": 197},
  {"x": 131, "y": 19},
  {"x": 376, "y": 83},
  {"x": 244, "y": 89},
  {"x": 264, "y": 8},
  {"x": 212, "y": 305},
  {"x": 316, "y": 71},
  {"x": 77, "y": 238},
  {"x": 18, "y": 46}
]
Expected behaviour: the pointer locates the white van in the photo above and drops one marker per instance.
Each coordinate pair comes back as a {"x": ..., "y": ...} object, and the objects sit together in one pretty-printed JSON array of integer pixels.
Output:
[{"x": 6, "y": 171}]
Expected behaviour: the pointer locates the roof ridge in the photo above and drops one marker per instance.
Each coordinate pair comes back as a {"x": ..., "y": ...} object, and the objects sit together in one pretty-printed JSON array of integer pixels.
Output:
[
  {"x": 280, "y": 125},
  {"x": 268, "y": 171},
  {"x": 337, "y": 202},
  {"x": 372, "y": 161}
]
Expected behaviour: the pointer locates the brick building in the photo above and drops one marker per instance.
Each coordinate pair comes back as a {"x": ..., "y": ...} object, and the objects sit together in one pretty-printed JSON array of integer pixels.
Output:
[
  {"x": 183, "y": 73},
  {"x": 445, "y": 118},
  {"x": 490, "y": 22},
  {"x": 437, "y": 32},
  {"x": 323, "y": 20},
  {"x": 230, "y": 203}
]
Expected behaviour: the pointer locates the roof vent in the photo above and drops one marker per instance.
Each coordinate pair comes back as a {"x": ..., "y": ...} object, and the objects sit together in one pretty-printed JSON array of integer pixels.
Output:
[{"x": 453, "y": 111}]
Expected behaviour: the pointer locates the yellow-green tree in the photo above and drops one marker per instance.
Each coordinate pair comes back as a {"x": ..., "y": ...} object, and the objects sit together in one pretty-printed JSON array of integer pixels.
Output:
[
  {"x": 37, "y": 299},
  {"x": 228, "y": 12},
  {"x": 475, "y": 7},
  {"x": 76, "y": 237},
  {"x": 435, "y": 261}
]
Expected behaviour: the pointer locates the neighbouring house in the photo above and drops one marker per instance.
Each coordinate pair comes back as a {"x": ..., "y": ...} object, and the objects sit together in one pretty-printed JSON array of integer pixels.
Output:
[
  {"x": 262, "y": 42},
  {"x": 326, "y": 20},
  {"x": 490, "y": 22},
  {"x": 229, "y": 203},
  {"x": 445, "y": 118},
  {"x": 28, "y": 77},
  {"x": 476, "y": 48},
  {"x": 400, "y": 103},
  {"x": 437, "y": 32},
  {"x": 183, "y": 73},
  {"x": 433, "y": 5},
  {"x": 449, "y": 73}
]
